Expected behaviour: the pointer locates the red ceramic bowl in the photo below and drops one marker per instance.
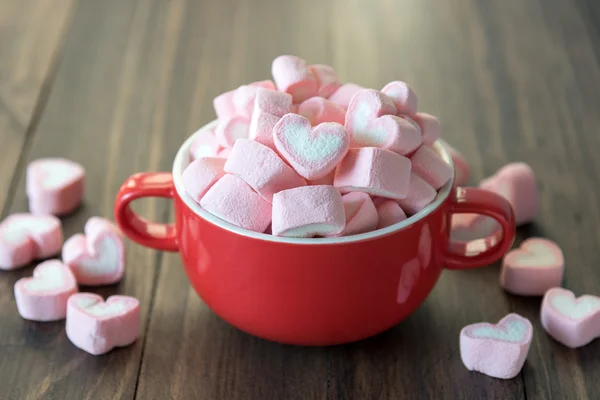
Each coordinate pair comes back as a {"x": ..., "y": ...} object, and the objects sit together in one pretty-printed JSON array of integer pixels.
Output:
[{"x": 311, "y": 291}]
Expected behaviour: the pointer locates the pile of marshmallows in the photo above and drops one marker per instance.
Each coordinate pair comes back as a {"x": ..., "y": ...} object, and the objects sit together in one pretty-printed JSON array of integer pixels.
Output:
[
  {"x": 309, "y": 157},
  {"x": 55, "y": 187}
]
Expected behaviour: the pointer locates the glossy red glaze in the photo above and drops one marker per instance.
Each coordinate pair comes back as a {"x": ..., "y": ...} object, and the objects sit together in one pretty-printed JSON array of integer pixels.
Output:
[{"x": 312, "y": 294}]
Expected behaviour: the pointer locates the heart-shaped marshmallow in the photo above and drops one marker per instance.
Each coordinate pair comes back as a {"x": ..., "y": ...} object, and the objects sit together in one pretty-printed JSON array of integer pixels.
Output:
[
  {"x": 497, "y": 350},
  {"x": 54, "y": 186},
  {"x": 98, "y": 257},
  {"x": 327, "y": 79},
  {"x": 26, "y": 237},
  {"x": 403, "y": 97},
  {"x": 572, "y": 321},
  {"x": 371, "y": 122},
  {"x": 313, "y": 153},
  {"x": 97, "y": 327},
  {"x": 533, "y": 269},
  {"x": 292, "y": 75},
  {"x": 44, "y": 296}
]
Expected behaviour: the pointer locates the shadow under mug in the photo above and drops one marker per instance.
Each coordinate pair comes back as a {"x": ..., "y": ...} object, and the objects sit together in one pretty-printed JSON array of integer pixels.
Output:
[{"x": 312, "y": 291}]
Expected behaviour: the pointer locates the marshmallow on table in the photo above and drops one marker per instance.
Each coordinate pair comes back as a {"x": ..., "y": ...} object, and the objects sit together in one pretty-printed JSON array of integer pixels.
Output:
[
  {"x": 292, "y": 75},
  {"x": 205, "y": 145},
  {"x": 371, "y": 122},
  {"x": 234, "y": 201},
  {"x": 497, "y": 350},
  {"x": 389, "y": 213},
  {"x": 97, "y": 327},
  {"x": 403, "y": 97},
  {"x": 361, "y": 214},
  {"x": 420, "y": 194},
  {"x": 431, "y": 167},
  {"x": 308, "y": 211},
  {"x": 327, "y": 79},
  {"x": 472, "y": 234},
  {"x": 375, "y": 171},
  {"x": 517, "y": 184},
  {"x": 44, "y": 296},
  {"x": 201, "y": 174},
  {"x": 532, "y": 269},
  {"x": 571, "y": 321},
  {"x": 98, "y": 256},
  {"x": 261, "y": 168},
  {"x": 430, "y": 127},
  {"x": 26, "y": 237},
  {"x": 344, "y": 94},
  {"x": 462, "y": 171},
  {"x": 312, "y": 152},
  {"x": 54, "y": 186},
  {"x": 318, "y": 110},
  {"x": 231, "y": 129}
]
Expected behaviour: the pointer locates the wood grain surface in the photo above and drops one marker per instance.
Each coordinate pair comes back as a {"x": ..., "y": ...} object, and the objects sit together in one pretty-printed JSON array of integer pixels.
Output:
[{"x": 118, "y": 85}]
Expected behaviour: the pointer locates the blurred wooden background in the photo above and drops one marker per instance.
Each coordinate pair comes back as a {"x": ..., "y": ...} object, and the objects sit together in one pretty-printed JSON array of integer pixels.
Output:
[{"x": 117, "y": 85}]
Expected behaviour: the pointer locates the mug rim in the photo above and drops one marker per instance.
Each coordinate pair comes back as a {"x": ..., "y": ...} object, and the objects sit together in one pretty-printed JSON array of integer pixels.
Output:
[{"x": 182, "y": 160}]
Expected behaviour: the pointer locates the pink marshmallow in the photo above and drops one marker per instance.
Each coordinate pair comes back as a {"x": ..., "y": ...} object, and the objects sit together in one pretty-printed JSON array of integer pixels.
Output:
[
  {"x": 43, "y": 297},
  {"x": 571, "y": 321},
  {"x": 420, "y": 195},
  {"x": 261, "y": 168},
  {"x": 26, "y": 237},
  {"x": 205, "y": 145},
  {"x": 54, "y": 186},
  {"x": 344, "y": 94},
  {"x": 516, "y": 182},
  {"x": 361, "y": 214},
  {"x": 234, "y": 201},
  {"x": 318, "y": 110},
  {"x": 371, "y": 122},
  {"x": 431, "y": 167},
  {"x": 223, "y": 105},
  {"x": 538, "y": 265},
  {"x": 403, "y": 97},
  {"x": 312, "y": 152},
  {"x": 266, "y": 84},
  {"x": 292, "y": 75},
  {"x": 97, "y": 327},
  {"x": 308, "y": 211},
  {"x": 272, "y": 102},
  {"x": 462, "y": 171},
  {"x": 430, "y": 127},
  {"x": 232, "y": 129},
  {"x": 497, "y": 350},
  {"x": 98, "y": 257},
  {"x": 327, "y": 79},
  {"x": 389, "y": 213},
  {"x": 201, "y": 174},
  {"x": 224, "y": 153},
  {"x": 375, "y": 171},
  {"x": 243, "y": 99},
  {"x": 261, "y": 128}
]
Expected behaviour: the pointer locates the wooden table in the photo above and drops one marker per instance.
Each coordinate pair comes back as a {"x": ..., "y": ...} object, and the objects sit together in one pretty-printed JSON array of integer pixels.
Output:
[{"x": 118, "y": 85}]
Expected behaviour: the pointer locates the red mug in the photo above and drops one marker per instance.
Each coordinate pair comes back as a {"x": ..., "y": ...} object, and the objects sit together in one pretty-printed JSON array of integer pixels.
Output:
[{"x": 312, "y": 291}]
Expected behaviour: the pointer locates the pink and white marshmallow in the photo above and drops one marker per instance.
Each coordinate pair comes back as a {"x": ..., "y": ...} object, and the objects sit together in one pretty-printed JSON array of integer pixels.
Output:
[
  {"x": 261, "y": 168},
  {"x": 535, "y": 267},
  {"x": 224, "y": 107},
  {"x": 205, "y": 145},
  {"x": 98, "y": 256},
  {"x": 371, "y": 122},
  {"x": 431, "y": 167},
  {"x": 308, "y": 211},
  {"x": 201, "y": 174},
  {"x": 389, "y": 213},
  {"x": 229, "y": 130},
  {"x": 403, "y": 97},
  {"x": 430, "y": 127},
  {"x": 420, "y": 195},
  {"x": 26, "y": 237},
  {"x": 97, "y": 326},
  {"x": 234, "y": 201},
  {"x": 571, "y": 321},
  {"x": 54, "y": 186},
  {"x": 344, "y": 94},
  {"x": 361, "y": 214},
  {"x": 292, "y": 75},
  {"x": 327, "y": 79},
  {"x": 312, "y": 152},
  {"x": 497, "y": 350},
  {"x": 375, "y": 171},
  {"x": 318, "y": 110},
  {"x": 516, "y": 182},
  {"x": 462, "y": 171},
  {"x": 44, "y": 296}
]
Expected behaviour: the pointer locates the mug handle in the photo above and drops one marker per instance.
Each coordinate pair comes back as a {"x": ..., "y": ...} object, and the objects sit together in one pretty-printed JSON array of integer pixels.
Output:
[
  {"x": 150, "y": 234},
  {"x": 467, "y": 200}
]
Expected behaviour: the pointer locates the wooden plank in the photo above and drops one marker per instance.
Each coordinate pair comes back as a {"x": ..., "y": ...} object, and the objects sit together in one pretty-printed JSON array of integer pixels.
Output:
[{"x": 109, "y": 109}]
